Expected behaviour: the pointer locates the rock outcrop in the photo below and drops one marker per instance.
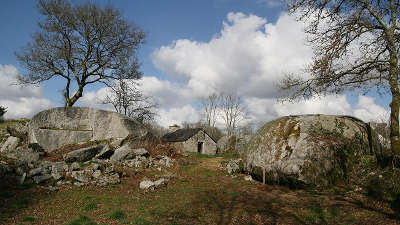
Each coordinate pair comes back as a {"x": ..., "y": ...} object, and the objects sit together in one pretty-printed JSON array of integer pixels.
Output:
[
  {"x": 309, "y": 149},
  {"x": 56, "y": 127}
]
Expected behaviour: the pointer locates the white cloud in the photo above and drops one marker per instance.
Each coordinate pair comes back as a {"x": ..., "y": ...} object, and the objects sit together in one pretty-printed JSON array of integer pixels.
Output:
[
  {"x": 178, "y": 115},
  {"x": 247, "y": 57},
  {"x": 367, "y": 110},
  {"x": 21, "y": 101},
  {"x": 268, "y": 109}
]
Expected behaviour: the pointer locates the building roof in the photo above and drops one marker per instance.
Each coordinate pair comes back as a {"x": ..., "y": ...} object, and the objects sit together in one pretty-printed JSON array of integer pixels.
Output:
[{"x": 183, "y": 135}]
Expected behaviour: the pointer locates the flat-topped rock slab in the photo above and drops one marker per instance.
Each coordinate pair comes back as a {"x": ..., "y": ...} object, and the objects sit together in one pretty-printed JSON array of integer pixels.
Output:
[{"x": 56, "y": 127}]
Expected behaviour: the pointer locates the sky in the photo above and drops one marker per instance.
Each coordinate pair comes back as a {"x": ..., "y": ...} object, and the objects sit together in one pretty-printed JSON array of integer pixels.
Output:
[{"x": 193, "y": 49}]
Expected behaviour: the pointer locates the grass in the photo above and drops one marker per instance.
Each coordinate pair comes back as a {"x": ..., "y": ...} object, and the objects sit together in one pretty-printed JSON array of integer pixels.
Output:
[
  {"x": 28, "y": 219},
  {"x": 82, "y": 220},
  {"x": 201, "y": 193},
  {"x": 117, "y": 214},
  {"x": 90, "y": 206}
]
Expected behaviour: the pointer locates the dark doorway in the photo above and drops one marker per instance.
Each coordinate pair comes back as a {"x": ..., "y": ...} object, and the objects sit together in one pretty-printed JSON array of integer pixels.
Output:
[{"x": 200, "y": 147}]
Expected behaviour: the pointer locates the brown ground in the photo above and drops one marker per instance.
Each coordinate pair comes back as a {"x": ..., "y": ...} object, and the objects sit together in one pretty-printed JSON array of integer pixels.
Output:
[{"x": 201, "y": 193}]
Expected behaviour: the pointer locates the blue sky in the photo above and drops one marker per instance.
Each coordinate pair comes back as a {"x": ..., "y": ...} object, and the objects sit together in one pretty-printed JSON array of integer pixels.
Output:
[{"x": 205, "y": 32}]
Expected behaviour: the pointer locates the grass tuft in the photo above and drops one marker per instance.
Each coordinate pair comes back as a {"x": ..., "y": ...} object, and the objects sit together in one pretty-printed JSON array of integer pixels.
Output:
[
  {"x": 28, "y": 219},
  {"x": 90, "y": 206},
  {"x": 117, "y": 214},
  {"x": 82, "y": 220}
]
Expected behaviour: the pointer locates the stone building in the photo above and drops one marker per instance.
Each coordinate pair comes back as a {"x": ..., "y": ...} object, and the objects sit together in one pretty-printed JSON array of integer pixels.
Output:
[{"x": 192, "y": 140}]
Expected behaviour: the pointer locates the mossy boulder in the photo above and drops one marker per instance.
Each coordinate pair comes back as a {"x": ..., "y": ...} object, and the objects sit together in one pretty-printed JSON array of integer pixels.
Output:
[{"x": 309, "y": 149}]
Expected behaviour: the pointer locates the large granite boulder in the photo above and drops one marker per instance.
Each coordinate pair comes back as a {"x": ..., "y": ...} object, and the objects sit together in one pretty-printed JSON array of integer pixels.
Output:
[
  {"x": 56, "y": 127},
  {"x": 309, "y": 149}
]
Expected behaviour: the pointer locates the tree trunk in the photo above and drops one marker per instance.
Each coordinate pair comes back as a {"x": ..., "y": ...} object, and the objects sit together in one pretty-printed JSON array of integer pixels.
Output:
[
  {"x": 394, "y": 106},
  {"x": 69, "y": 102}
]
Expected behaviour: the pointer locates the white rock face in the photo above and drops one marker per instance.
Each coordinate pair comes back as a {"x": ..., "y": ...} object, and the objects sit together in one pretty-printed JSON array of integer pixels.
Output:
[
  {"x": 307, "y": 148},
  {"x": 56, "y": 127}
]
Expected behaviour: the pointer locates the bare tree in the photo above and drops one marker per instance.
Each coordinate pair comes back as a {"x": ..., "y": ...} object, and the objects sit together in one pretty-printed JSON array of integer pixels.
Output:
[
  {"x": 210, "y": 110},
  {"x": 82, "y": 44},
  {"x": 232, "y": 112},
  {"x": 128, "y": 100},
  {"x": 356, "y": 45}
]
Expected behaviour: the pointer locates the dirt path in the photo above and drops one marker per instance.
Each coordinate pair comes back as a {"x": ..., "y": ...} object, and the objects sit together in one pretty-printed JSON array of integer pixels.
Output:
[{"x": 212, "y": 163}]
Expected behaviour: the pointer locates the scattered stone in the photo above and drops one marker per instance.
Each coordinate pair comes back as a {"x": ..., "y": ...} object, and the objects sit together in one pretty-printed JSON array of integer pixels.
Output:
[
  {"x": 81, "y": 176},
  {"x": 96, "y": 174},
  {"x": 82, "y": 155},
  {"x": 79, "y": 184},
  {"x": 42, "y": 178},
  {"x": 148, "y": 185},
  {"x": 248, "y": 178},
  {"x": 75, "y": 166},
  {"x": 105, "y": 153},
  {"x": 233, "y": 166},
  {"x": 22, "y": 179},
  {"x": 20, "y": 171},
  {"x": 125, "y": 152},
  {"x": 108, "y": 179},
  {"x": 34, "y": 172},
  {"x": 57, "y": 171},
  {"x": 51, "y": 188}
]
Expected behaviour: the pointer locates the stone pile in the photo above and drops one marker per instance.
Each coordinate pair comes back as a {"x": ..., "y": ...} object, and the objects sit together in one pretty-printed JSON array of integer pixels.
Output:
[{"x": 95, "y": 165}]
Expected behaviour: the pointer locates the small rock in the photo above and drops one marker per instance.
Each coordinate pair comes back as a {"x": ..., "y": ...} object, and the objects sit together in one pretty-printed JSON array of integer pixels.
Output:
[
  {"x": 42, "y": 178},
  {"x": 22, "y": 179},
  {"x": 51, "y": 188},
  {"x": 108, "y": 179},
  {"x": 34, "y": 172},
  {"x": 146, "y": 185},
  {"x": 248, "y": 178},
  {"x": 80, "y": 176},
  {"x": 82, "y": 155},
  {"x": 79, "y": 184},
  {"x": 75, "y": 166},
  {"x": 19, "y": 171},
  {"x": 125, "y": 152},
  {"x": 96, "y": 174},
  {"x": 57, "y": 171},
  {"x": 233, "y": 166},
  {"x": 105, "y": 153},
  {"x": 149, "y": 185}
]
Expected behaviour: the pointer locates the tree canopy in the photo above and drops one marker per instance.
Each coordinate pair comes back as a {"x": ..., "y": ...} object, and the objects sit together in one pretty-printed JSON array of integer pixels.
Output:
[
  {"x": 82, "y": 44},
  {"x": 356, "y": 45}
]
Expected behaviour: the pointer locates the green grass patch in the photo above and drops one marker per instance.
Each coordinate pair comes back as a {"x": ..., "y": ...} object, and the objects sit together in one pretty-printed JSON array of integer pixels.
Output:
[
  {"x": 140, "y": 221},
  {"x": 228, "y": 155},
  {"x": 82, "y": 220},
  {"x": 28, "y": 219},
  {"x": 90, "y": 206},
  {"x": 117, "y": 214}
]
